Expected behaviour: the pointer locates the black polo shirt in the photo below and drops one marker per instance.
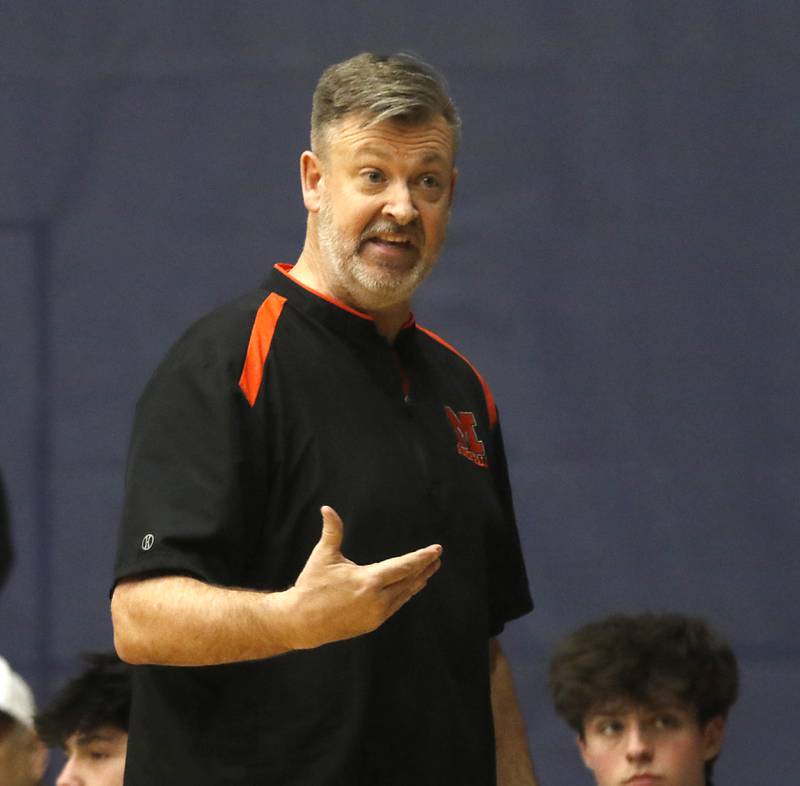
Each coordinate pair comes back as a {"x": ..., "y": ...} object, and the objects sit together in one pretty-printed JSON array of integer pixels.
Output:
[{"x": 266, "y": 409}]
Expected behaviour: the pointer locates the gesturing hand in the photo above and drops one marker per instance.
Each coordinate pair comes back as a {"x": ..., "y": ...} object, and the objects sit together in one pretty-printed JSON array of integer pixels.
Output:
[{"x": 334, "y": 598}]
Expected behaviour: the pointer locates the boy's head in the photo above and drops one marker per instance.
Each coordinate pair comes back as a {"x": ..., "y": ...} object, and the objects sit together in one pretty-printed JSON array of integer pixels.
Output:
[
  {"x": 648, "y": 696},
  {"x": 89, "y": 720}
]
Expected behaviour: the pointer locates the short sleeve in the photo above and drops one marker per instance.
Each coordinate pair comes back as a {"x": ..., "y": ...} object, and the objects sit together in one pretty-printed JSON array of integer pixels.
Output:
[
  {"x": 188, "y": 494},
  {"x": 509, "y": 594}
]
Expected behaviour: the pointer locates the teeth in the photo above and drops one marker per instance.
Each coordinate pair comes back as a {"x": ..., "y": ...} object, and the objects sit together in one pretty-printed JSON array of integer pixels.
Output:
[{"x": 392, "y": 238}]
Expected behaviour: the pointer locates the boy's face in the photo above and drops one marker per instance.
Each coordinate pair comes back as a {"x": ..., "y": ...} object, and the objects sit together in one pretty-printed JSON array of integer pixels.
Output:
[
  {"x": 95, "y": 758},
  {"x": 628, "y": 745}
]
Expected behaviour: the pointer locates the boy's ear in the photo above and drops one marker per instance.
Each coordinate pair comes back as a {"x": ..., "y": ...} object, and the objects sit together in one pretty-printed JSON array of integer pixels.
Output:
[
  {"x": 40, "y": 762},
  {"x": 39, "y": 757},
  {"x": 581, "y": 743},
  {"x": 713, "y": 737}
]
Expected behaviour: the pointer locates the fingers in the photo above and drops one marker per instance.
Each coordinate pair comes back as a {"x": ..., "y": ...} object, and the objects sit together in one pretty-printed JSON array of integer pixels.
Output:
[
  {"x": 332, "y": 528},
  {"x": 401, "y": 592},
  {"x": 339, "y": 599},
  {"x": 413, "y": 568},
  {"x": 416, "y": 581},
  {"x": 429, "y": 571},
  {"x": 408, "y": 565}
]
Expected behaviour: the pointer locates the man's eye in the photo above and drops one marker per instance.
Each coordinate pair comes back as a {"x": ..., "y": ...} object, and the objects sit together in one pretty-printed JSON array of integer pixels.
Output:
[
  {"x": 372, "y": 176},
  {"x": 430, "y": 181}
]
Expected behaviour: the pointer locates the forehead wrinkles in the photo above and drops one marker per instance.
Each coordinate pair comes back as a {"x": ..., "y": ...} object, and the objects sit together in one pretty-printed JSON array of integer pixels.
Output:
[{"x": 422, "y": 142}]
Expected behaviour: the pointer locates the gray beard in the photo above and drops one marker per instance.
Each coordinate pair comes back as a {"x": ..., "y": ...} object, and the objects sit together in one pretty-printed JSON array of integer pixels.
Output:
[{"x": 388, "y": 287}]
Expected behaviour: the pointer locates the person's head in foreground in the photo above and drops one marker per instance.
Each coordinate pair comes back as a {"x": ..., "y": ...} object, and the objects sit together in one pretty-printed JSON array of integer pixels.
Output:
[
  {"x": 22, "y": 756},
  {"x": 648, "y": 696},
  {"x": 88, "y": 718},
  {"x": 378, "y": 181}
]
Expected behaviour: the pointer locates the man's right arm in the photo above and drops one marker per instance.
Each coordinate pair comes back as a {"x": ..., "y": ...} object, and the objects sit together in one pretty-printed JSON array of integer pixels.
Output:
[{"x": 182, "y": 621}]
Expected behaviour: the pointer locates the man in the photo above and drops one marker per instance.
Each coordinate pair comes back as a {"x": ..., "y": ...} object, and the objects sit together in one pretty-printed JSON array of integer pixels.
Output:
[
  {"x": 648, "y": 696},
  {"x": 22, "y": 756},
  {"x": 89, "y": 720},
  {"x": 328, "y": 660}
]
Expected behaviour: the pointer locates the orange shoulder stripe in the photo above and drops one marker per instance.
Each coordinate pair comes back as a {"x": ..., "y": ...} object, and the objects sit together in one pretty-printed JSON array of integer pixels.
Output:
[
  {"x": 258, "y": 348},
  {"x": 490, "y": 405}
]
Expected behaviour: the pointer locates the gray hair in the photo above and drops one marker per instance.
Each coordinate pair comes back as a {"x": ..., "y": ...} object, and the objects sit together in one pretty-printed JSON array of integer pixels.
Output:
[{"x": 398, "y": 87}]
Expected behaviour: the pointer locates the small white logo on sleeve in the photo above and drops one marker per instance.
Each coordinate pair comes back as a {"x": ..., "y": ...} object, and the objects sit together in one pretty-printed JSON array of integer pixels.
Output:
[{"x": 147, "y": 542}]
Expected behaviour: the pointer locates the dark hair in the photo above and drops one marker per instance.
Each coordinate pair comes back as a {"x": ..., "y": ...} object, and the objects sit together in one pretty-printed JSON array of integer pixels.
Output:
[
  {"x": 645, "y": 660},
  {"x": 100, "y": 696},
  {"x": 398, "y": 87}
]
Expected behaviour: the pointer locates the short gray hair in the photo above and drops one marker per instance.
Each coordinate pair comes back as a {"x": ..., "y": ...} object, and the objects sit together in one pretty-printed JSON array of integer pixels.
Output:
[{"x": 398, "y": 87}]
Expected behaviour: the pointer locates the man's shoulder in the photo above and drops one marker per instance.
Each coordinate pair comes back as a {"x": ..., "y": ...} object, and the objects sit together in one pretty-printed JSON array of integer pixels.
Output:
[
  {"x": 445, "y": 352},
  {"x": 457, "y": 365},
  {"x": 220, "y": 336}
]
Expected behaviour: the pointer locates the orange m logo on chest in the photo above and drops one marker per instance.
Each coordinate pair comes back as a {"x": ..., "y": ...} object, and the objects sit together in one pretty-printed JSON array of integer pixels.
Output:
[{"x": 467, "y": 442}]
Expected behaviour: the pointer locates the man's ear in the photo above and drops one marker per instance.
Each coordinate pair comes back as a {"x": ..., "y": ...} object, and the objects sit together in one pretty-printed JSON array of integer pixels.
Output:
[
  {"x": 311, "y": 180},
  {"x": 453, "y": 179},
  {"x": 713, "y": 737}
]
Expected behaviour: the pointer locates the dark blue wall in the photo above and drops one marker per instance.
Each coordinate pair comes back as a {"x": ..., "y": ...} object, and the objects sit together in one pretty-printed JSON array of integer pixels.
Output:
[{"x": 622, "y": 266}]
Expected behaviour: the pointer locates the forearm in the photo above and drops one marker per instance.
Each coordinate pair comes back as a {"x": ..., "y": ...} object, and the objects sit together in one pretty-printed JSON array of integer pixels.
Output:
[
  {"x": 514, "y": 765},
  {"x": 180, "y": 621}
]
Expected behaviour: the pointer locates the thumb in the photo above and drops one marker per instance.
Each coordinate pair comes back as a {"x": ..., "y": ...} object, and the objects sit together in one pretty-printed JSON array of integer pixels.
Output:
[{"x": 332, "y": 529}]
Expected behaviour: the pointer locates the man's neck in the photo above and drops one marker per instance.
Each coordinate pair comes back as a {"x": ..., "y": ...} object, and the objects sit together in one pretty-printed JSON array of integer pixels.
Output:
[{"x": 388, "y": 321}]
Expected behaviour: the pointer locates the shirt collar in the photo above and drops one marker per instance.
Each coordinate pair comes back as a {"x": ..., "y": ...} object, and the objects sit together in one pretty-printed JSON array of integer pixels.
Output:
[{"x": 326, "y": 309}]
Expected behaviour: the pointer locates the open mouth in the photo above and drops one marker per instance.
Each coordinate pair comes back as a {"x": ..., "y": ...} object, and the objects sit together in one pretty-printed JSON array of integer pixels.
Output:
[
  {"x": 392, "y": 241},
  {"x": 391, "y": 249}
]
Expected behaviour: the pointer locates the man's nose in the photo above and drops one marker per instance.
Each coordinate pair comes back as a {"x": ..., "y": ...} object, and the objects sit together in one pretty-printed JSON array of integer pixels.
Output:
[
  {"x": 638, "y": 745},
  {"x": 400, "y": 205}
]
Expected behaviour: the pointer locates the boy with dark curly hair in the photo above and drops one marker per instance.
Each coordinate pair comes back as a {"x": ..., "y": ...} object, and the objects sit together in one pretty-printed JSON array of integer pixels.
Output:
[
  {"x": 89, "y": 720},
  {"x": 648, "y": 696}
]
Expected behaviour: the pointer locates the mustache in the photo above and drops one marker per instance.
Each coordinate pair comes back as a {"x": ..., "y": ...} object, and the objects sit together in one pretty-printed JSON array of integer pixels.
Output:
[{"x": 412, "y": 232}]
